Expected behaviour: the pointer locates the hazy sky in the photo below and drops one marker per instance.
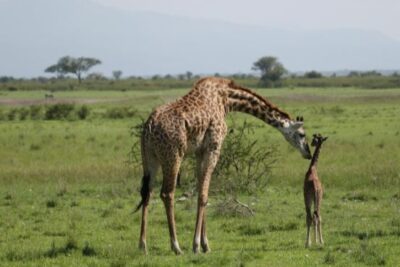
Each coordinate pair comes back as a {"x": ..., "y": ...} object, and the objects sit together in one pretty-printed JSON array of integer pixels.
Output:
[{"x": 380, "y": 15}]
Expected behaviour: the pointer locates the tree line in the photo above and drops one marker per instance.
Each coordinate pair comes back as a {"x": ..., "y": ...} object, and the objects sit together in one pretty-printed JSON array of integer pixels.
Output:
[{"x": 270, "y": 73}]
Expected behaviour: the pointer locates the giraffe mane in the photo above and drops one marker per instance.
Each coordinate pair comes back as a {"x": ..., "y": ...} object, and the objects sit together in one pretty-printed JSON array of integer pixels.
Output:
[{"x": 233, "y": 85}]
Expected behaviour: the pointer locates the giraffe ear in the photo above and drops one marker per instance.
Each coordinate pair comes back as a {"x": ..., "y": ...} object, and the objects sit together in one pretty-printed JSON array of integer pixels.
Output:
[{"x": 324, "y": 139}]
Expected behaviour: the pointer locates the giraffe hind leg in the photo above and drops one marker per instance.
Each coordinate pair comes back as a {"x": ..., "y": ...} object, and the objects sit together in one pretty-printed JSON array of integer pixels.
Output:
[
  {"x": 170, "y": 173},
  {"x": 204, "y": 241},
  {"x": 316, "y": 225},
  {"x": 309, "y": 219},
  {"x": 309, "y": 223},
  {"x": 205, "y": 167},
  {"x": 146, "y": 194}
]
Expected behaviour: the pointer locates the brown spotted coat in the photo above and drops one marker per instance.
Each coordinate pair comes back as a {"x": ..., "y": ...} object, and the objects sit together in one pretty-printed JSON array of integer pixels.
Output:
[{"x": 194, "y": 123}]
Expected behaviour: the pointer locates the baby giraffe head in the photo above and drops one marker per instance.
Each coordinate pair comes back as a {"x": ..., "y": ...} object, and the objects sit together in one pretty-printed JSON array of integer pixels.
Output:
[
  {"x": 317, "y": 140},
  {"x": 294, "y": 133}
]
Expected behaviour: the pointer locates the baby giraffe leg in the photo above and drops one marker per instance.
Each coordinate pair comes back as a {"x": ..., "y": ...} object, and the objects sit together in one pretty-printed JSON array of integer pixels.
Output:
[
  {"x": 309, "y": 222},
  {"x": 320, "y": 230},
  {"x": 315, "y": 222}
]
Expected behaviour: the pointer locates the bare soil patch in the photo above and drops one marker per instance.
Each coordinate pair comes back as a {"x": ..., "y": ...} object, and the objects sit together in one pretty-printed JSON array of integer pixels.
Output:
[{"x": 30, "y": 102}]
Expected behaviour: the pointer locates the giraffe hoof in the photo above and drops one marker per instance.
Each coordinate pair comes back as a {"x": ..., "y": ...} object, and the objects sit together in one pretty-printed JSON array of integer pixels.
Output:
[
  {"x": 196, "y": 249},
  {"x": 206, "y": 250},
  {"x": 143, "y": 247},
  {"x": 178, "y": 251}
]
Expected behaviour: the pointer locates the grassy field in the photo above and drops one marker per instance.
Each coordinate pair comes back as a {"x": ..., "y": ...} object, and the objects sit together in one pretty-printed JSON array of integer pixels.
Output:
[{"x": 67, "y": 191}]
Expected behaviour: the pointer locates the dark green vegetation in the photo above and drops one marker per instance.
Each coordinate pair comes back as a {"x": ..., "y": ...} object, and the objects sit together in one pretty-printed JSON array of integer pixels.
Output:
[
  {"x": 98, "y": 82},
  {"x": 67, "y": 189}
]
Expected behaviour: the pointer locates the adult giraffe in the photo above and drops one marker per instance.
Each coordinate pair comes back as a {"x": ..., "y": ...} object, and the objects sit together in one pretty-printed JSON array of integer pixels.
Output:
[{"x": 196, "y": 122}]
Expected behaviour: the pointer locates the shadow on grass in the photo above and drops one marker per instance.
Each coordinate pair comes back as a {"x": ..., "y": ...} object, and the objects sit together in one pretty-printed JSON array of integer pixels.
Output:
[
  {"x": 359, "y": 196},
  {"x": 365, "y": 235}
]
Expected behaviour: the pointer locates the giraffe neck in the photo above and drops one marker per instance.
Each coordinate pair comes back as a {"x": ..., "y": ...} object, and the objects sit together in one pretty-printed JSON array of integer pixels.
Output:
[
  {"x": 315, "y": 157},
  {"x": 244, "y": 100}
]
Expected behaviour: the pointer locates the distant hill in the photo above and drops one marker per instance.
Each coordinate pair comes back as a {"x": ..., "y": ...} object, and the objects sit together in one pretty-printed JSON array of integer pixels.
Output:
[{"x": 34, "y": 34}]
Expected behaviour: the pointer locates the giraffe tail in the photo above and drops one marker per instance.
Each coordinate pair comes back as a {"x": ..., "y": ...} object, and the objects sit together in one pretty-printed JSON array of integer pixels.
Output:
[{"x": 144, "y": 192}]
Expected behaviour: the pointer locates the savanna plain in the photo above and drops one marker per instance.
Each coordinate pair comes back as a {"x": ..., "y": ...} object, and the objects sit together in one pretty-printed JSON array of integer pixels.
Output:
[{"x": 68, "y": 187}]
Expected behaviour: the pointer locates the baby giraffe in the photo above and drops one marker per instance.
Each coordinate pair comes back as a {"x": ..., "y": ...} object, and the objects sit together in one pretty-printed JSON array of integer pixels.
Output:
[{"x": 313, "y": 192}]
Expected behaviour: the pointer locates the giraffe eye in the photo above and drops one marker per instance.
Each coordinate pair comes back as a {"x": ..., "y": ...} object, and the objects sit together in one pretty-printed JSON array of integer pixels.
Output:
[{"x": 302, "y": 135}]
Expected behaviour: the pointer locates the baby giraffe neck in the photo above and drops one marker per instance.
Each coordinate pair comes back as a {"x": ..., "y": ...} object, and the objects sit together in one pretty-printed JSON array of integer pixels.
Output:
[{"x": 315, "y": 157}]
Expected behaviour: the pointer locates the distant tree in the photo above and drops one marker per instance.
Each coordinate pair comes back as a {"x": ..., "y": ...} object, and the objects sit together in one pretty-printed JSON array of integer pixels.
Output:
[
  {"x": 217, "y": 74},
  {"x": 181, "y": 77},
  {"x": 353, "y": 74},
  {"x": 76, "y": 66},
  {"x": 271, "y": 70},
  {"x": 168, "y": 77},
  {"x": 313, "y": 74},
  {"x": 96, "y": 76},
  {"x": 189, "y": 75},
  {"x": 395, "y": 74},
  {"x": 5, "y": 79},
  {"x": 117, "y": 74},
  {"x": 371, "y": 73}
]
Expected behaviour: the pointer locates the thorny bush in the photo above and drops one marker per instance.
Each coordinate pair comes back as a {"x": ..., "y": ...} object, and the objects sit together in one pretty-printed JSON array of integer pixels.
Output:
[{"x": 244, "y": 166}]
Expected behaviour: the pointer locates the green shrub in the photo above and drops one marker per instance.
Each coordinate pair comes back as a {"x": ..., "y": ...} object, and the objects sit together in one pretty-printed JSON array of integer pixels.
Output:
[
  {"x": 2, "y": 115},
  {"x": 243, "y": 167},
  {"x": 12, "y": 114},
  {"x": 120, "y": 113},
  {"x": 51, "y": 203},
  {"x": 87, "y": 250},
  {"x": 23, "y": 113},
  {"x": 245, "y": 163},
  {"x": 36, "y": 112},
  {"x": 59, "y": 111},
  {"x": 83, "y": 112}
]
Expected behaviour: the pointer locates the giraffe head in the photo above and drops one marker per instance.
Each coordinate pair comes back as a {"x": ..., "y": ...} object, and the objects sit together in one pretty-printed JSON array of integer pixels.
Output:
[
  {"x": 294, "y": 133},
  {"x": 317, "y": 140}
]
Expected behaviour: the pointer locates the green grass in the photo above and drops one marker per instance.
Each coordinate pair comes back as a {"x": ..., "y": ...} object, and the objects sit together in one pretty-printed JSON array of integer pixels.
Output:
[{"x": 67, "y": 192}]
